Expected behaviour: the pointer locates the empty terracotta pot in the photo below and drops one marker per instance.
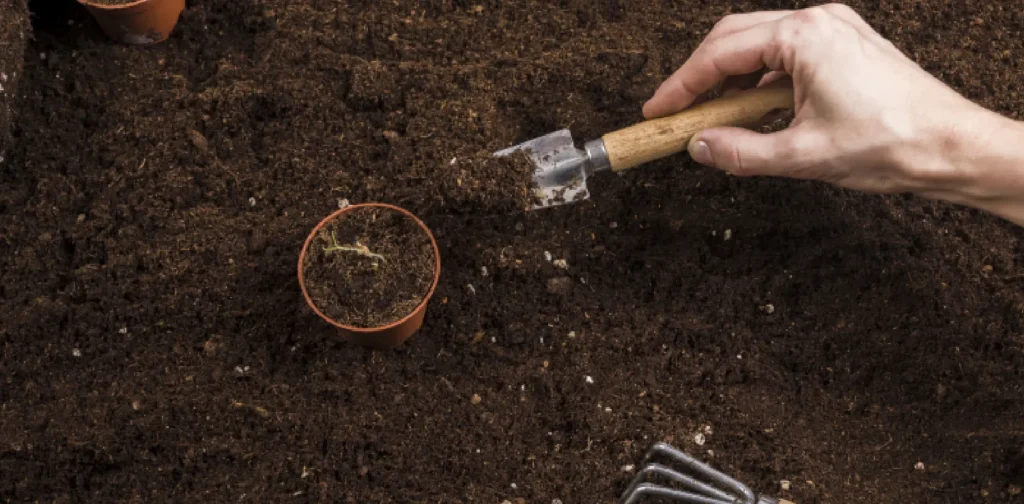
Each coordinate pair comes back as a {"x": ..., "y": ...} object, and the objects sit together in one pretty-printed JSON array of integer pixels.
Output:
[
  {"x": 385, "y": 337},
  {"x": 138, "y": 23}
]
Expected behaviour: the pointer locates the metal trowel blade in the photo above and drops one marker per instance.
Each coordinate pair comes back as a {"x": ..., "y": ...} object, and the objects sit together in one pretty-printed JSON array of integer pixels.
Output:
[{"x": 560, "y": 169}]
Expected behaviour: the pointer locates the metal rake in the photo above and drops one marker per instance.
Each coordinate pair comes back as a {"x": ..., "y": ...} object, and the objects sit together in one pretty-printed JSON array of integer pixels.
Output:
[{"x": 694, "y": 482}]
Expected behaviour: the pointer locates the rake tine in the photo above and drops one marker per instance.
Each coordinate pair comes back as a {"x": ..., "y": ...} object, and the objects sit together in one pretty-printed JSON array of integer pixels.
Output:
[
  {"x": 744, "y": 494},
  {"x": 682, "y": 479},
  {"x": 648, "y": 489}
]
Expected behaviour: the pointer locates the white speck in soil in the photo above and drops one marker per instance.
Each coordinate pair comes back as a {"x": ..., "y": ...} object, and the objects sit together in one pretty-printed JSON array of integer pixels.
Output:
[
  {"x": 252, "y": 201},
  {"x": 342, "y": 203},
  {"x": 76, "y": 352},
  {"x": 556, "y": 501},
  {"x": 560, "y": 263},
  {"x": 514, "y": 486},
  {"x": 453, "y": 161},
  {"x": 699, "y": 439},
  {"x": 707, "y": 430},
  {"x": 541, "y": 340},
  {"x": 613, "y": 225},
  {"x": 711, "y": 453},
  {"x": 785, "y": 485},
  {"x": 607, "y": 409},
  {"x": 714, "y": 233},
  {"x": 727, "y": 235},
  {"x": 589, "y": 380},
  {"x": 123, "y": 330},
  {"x": 919, "y": 466},
  {"x": 628, "y": 468},
  {"x": 483, "y": 270},
  {"x": 470, "y": 288},
  {"x": 42, "y": 56},
  {"x": 572, "y": 334},
  {"x": 547, "y": 256},
  {"x": 739, "y": 356},
  {"x": 768, "y": 308}
]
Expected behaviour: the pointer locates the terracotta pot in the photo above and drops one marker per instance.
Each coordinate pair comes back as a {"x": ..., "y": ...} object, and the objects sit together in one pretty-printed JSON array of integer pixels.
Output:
[
  {"x": 391, "y": 335},
  {"x": 137, "y": 23}
]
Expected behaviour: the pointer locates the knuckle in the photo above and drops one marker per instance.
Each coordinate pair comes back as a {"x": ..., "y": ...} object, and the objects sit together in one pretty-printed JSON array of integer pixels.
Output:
[
  {"x": 736, "y": 162},
  {"x": 840, "y": 9},
  {"x": 724, "y": 24},
  {"x": 811, "y": 16}
]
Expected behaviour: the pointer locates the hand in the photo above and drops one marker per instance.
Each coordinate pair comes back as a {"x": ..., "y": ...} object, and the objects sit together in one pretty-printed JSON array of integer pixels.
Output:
[{"x": 866, "y": 117}]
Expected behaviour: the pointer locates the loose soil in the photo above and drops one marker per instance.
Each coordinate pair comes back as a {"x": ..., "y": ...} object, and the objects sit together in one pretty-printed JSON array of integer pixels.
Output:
[
  {"x": 155, "y": 346},
  {"x": 14, "y": 33},
  {"x": 369, "y": 267}
]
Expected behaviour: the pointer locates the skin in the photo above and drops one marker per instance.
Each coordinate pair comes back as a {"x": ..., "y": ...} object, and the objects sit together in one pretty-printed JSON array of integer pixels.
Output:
[{"x": 866, "y": 116}]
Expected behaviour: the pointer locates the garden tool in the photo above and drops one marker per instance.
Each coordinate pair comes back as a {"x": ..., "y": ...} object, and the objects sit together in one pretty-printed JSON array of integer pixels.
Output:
[
  {"x": 562, "y": 169},
  {"x": 694, "y": 482}
]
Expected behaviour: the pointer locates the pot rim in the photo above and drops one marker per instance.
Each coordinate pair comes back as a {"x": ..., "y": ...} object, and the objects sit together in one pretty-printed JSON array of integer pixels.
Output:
[
  {"x": 112, "y": 7},
  {"x": 335, "y": 215}
]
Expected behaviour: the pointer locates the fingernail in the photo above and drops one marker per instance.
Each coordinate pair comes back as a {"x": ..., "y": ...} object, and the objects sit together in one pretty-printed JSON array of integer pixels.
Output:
[{"x": 701, "y": 153}]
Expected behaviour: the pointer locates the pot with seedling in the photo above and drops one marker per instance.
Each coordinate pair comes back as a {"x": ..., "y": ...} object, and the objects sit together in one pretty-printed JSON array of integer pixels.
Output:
[
  {"x": 370, "y": 271},
  {"x": 136, "y": 22}
]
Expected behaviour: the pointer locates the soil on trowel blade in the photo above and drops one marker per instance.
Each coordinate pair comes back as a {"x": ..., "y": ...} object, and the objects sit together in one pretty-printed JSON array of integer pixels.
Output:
[
  {"x": 155, "y": 345},
  {"x": 369, "y": 267}
]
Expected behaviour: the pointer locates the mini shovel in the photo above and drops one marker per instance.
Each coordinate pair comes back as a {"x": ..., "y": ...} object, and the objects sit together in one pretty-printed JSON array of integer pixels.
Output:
[{"x": 561, "y": 169}]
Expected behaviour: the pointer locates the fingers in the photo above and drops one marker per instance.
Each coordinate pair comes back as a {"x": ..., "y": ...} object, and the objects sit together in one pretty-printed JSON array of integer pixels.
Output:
[
  {"x": 771, "y": 77},
  {"x": 787, "y": 153},
  {"x": 738, "y": 53}
]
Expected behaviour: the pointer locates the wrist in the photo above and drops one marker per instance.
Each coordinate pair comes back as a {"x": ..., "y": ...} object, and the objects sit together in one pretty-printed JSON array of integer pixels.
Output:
[{"x": 977, "y": 161}]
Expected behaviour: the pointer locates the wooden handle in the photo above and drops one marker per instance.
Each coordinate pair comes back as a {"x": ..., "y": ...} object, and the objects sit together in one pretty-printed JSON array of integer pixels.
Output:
[{"x": 663, "y": 137}]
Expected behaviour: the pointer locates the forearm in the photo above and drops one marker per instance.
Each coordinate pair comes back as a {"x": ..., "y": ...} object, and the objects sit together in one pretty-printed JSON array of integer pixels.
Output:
[{"x": 998, "y": 163}]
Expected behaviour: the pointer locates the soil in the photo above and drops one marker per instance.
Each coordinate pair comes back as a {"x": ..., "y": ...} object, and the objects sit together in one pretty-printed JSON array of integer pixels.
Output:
[
  {"x": 155, "y": 346},
  {"x": 369, "y": 267},
  {"x": 13, "y": 36}
]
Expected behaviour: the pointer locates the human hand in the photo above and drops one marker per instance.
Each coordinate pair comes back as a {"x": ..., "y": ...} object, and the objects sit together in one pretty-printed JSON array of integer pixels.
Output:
[{"x": 866, "y": 117}]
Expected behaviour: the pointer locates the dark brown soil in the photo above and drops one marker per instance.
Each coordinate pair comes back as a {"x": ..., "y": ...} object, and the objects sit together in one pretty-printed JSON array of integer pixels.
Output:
[
  {"x": 155, "y": 346},
  {"x": 14, "y": 34},
  {"x": 369, "y": 267}
]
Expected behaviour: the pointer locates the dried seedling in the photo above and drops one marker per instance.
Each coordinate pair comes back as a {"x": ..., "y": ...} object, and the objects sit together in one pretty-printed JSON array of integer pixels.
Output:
[{"x": 358, "y": 249}]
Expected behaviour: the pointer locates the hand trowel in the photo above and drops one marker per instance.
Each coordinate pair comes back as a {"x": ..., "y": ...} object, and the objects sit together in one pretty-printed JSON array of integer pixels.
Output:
[{"x": 562, "y": 169}]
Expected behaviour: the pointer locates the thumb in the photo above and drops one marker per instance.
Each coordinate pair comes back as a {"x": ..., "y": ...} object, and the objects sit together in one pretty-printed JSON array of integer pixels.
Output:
[{"x": 745, "y": 153}]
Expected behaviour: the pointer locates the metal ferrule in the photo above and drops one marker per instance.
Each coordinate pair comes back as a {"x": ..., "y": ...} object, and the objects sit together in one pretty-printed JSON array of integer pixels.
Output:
[{"x": 598, "y": 155}]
